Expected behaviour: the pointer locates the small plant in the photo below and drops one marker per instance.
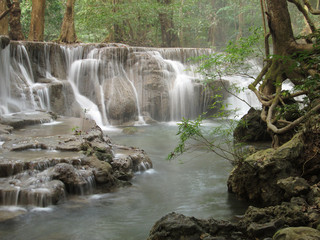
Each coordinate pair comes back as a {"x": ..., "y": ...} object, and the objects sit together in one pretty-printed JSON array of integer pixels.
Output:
[{"x": 76, "y": 130}]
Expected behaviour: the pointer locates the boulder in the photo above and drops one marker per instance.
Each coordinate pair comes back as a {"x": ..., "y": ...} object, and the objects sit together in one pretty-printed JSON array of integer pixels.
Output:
[
  {"x": 255, "y": 178},
  {"x": 297, "y": 233},
  {"x": 293, "y": 187},
  {"x": 20, "y": 120},
  {"x": 128, "y": 160},
  {"x": 102, "y": 171},
  {"x": 251, "y": 128},
  {"x": 264, "y": 222},
  {"x": 4, "y": 41},
  {"x": 5, "y": 129},
  {"x": 121, "y": 102},
  {"x": 62, "y": 99},
  {"x": 77, "y": 181},
  {"x": 176, "y": 226}
]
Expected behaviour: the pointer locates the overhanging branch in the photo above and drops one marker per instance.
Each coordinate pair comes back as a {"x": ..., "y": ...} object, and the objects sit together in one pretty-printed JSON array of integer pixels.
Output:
[
  {"x": 305, "y": 14},
  {"x": 311, "y": 9}
]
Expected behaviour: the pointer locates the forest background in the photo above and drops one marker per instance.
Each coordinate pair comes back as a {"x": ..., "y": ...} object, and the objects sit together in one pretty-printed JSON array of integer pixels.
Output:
[{"x": 156, "y": 23}]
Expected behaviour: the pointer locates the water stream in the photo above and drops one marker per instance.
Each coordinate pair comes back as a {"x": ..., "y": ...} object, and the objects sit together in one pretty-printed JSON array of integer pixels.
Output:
[
  {"x": 116, "y": 85},
  {"x": 194, "y": 184}
]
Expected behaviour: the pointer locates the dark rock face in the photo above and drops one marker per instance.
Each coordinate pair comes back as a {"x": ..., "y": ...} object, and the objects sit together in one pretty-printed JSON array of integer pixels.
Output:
[
  {"x": 176, "y": 226},
  {"x": 4, "y": 41},
  {"x": 255, "y": 179},
  {"x": 304, "y": 233},
  {"x": 251, "y": 128},
  {"x": 264, "y": 222}
]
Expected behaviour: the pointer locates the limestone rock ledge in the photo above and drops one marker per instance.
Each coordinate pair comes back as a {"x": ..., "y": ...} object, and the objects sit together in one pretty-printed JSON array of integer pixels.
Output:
[{"x": 40, "y": 168}]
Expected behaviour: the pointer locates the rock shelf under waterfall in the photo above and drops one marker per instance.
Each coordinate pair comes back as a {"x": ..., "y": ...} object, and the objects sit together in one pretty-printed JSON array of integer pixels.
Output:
[
  {"x": 42, "y": 164},
  {"x": 114, "y": 84}
]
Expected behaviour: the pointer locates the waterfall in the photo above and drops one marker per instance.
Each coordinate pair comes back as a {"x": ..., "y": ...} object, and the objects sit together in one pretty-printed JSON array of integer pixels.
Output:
[
  {"x": 112, "y": 84},
  {"x": 4, "y": 79}
]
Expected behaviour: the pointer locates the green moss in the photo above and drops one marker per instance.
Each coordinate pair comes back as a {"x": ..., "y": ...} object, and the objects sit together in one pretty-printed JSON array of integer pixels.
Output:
[{"x": 130, "y": 130}]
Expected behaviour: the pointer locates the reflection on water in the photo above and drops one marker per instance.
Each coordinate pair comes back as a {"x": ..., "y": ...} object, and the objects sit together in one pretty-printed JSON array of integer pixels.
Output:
[{"x": 194, "y": 184}]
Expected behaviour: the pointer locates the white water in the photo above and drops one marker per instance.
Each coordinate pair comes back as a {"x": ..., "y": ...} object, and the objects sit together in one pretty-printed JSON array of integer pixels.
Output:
[
  {"x": 191, "y": 185},
  {"x": 159, "y": 80}
]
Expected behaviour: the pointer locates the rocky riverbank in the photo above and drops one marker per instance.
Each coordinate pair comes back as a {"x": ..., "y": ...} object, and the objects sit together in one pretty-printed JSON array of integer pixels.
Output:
[
  {"x": 43, "y": 160},
  {"x": 283, "y": 186}
]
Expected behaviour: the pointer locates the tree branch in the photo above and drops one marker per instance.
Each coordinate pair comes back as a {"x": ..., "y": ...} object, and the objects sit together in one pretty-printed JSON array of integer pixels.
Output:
[
  {"x": 311, "y": 9},
  {"x": 305, "y": 14},
  {"x": 5, "y": 13},
  {"x": 293, "y": 124}
]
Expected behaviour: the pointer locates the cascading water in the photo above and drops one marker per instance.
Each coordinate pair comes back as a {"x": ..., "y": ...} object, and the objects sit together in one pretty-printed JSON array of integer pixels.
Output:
[
  {"x": 4, "y": 80},
  {"x": 112, "y": 84}
]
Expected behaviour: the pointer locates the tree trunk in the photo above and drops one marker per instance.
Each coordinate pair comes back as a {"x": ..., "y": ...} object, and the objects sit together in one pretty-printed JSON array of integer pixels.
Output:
[
  {"x": 284, "y": 45},
  {"x": 168, "y": 33},
  {"x": 280, "y": 27},
  {"x": 216, "y": 33},
  {"x": 240, "y": 20},
  {"x": 4, "y": 22},
  {"x": 68, "y": 32},
  {"x": 15, "y": 32},
  {"x": 36, "y": 32}
]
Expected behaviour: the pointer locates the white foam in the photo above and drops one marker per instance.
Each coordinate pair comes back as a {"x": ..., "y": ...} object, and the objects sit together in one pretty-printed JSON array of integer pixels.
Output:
[
  {"x": 40, "y": 209},
  {"x": 12, "y": 209},
  {"x": 51, "y": 123}
]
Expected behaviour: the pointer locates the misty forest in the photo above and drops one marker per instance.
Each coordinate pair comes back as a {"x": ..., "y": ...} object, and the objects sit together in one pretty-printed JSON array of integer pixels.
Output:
[{"x": 160, "y": 119}]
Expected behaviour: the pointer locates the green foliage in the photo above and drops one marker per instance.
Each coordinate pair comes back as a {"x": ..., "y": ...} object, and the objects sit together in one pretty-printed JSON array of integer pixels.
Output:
[
  {"x": 137, "y": 21},
  {"x": 53, "y": 18},
  {"x": 219, "y": 139},
  {"x": 76, "y": 130}
]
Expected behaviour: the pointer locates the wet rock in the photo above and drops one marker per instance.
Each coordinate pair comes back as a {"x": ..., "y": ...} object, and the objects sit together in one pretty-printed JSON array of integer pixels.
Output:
[
  {"x": 251, "y": 128},
  {"x": 102, "y": 171},
  {"x": 314, "y": 196},
  {"x": 122, "y": 108},
  {"x": 129, "y": 160},
  {"x": 83, "y": 161},
  {"x": 4, "y": 41},
  {"x": 153, "y": 76},
  {"x": 77, "y": 181},
  {"x": 264, "y": 222},
  {"x": 291, "y": 233},
  {"x": 130, "y": 130},
  {"x": 175, "y": 226},
  {"x": 293, "y": 186},
  {"x": 62, "y": 99},
  {"x": 11, "y": 213},
  {"x": 5, "y": 129},
  {"x": 255, "y": 179},
  {"x": 20, "y": 120},
  {"x": 148, "y": 119}
]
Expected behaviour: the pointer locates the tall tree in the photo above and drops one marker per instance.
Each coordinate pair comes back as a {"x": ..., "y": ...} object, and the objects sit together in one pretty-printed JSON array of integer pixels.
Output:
[
  {"x": 15, "y": 32},
  {"x": 289, "y": 61},
  {"x": 168, "y": 32},
  {"x": 68, "y": 32},
  {"x": 36, "y": 32},
  {"x": 4, "y": 21}
]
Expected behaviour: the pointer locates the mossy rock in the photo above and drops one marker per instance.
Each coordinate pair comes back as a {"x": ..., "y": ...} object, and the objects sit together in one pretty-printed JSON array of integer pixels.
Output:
[
  {"x": 130, "y": 130},
  {"x": 296, "y": 233}
]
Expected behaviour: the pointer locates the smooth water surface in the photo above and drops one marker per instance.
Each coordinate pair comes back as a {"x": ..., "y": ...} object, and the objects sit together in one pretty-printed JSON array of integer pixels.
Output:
[{"x": 194, "y": 184}]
